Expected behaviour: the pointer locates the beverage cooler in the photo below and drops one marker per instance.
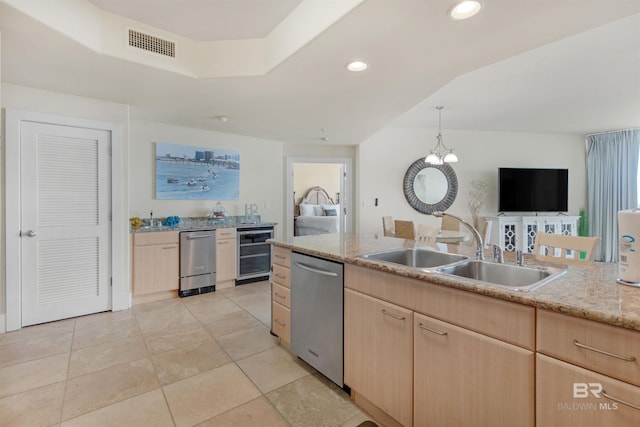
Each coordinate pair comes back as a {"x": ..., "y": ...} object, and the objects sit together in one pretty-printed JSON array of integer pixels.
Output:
[{"x": 254, "y": 254}]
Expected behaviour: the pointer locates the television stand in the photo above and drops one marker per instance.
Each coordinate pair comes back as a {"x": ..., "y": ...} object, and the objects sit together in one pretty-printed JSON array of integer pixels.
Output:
[{"x": 519, "y": 232}]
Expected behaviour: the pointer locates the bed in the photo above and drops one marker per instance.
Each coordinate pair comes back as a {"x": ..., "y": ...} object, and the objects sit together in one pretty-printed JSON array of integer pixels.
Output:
[{"x": 318, "y": 214}]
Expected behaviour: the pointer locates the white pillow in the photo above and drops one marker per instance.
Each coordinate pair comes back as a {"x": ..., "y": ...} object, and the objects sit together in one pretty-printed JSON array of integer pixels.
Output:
[
  {"x": 307, "y": 210},
  {"x": 318, "y": 210}
]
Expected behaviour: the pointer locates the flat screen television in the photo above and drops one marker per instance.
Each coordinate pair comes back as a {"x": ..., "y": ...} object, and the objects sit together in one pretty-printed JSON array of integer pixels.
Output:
[{"x": 532, "y": 190}]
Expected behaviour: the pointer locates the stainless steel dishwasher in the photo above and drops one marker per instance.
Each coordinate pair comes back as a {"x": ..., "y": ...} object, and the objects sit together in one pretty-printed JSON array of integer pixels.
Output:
[
  {"x": 317, "y": 314},
  {"x": 197, "y": 262}
]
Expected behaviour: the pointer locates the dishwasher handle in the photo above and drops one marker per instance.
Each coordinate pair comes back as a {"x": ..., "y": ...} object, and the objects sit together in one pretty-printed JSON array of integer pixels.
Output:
[
  {"x": 316, "y": 270},
  {"x": 200, "y": 236}
]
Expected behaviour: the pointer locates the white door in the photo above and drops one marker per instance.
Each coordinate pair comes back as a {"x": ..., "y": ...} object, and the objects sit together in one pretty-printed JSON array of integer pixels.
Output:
[{"x": 65, "y": 224}]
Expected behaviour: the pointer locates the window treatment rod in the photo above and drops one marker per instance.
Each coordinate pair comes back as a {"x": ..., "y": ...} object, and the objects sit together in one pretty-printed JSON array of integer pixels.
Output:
[{"x": 610, "y": 131}]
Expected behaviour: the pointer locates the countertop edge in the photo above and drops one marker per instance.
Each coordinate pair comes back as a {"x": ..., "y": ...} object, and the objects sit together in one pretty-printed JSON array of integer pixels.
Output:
[{"x": 525, "y": 298}]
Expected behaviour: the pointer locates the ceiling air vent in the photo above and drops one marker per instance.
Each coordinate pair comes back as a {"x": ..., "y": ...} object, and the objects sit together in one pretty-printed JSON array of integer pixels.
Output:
[{"x": 152, "y": 44}]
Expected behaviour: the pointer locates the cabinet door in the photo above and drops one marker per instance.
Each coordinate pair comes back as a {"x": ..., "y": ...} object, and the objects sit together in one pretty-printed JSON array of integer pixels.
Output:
[
  {"x": 567, "y": 395},
  {"x": 378, "y": 349},
  {"x": 144, "y": 269},
  {"x": 167, "y": 267},
  {"x": 156, "y": 268},
  {"x": 462, "y": 378},
  {"x": 226, "y": 260}
]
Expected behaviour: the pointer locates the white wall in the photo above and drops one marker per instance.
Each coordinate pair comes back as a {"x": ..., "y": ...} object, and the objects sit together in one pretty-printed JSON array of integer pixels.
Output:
[
  {"x": 261, "y": 164},
  {"x": 307, "y": 175},
  {"x": 384, "y": 158}
]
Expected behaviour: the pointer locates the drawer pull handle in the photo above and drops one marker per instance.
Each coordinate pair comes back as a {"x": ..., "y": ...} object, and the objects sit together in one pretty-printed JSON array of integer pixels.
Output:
[
  {"x": 395, "y": 316},
  {"x": 615, "y": 399},
  {"x": 617, "y": 356},
  {"x": 279, "y": 296},
  {"x": 280, "y": 256},
  {"x": 421, "y": 326},
  {"x": 223, "y": 243},
  {"x": 279, "y": 322},
  {"x": 281, "y": 276},
  {"x": 168, "y": 247}
]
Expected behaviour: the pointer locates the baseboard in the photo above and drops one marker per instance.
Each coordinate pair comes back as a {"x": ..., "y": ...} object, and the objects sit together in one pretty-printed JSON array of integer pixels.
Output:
[{"x": 3, "y": 324}]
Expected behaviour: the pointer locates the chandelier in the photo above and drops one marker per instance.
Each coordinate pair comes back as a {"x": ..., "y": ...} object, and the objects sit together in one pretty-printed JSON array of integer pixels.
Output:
[{"x": 440, "y": 153}]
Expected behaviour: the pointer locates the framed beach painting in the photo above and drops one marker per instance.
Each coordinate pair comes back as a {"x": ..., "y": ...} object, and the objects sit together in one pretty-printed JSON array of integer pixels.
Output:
[{"x": 195, "y": 173}]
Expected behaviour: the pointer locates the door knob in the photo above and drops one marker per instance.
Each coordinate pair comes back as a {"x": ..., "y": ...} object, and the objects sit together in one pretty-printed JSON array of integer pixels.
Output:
[{"x": 30, "y": 233}]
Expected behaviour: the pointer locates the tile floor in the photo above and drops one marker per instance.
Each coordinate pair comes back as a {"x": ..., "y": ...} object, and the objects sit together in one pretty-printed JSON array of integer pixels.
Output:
[{"x": 205, "y": 360}]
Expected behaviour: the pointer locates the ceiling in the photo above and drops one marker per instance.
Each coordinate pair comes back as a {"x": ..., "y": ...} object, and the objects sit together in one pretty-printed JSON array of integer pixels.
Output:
[{"x": 276, "y": 68}]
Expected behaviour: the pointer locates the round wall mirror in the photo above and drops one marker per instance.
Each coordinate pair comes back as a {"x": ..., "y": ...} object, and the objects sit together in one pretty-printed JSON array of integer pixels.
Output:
[{"x": 429, "y": 188}]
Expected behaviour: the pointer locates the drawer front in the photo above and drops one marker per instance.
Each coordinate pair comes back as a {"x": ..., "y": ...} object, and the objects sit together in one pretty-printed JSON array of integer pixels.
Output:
[
  {"x": 281, "y": 256},
  {"x": 281, "y": 276},
  {"x": 281, "y": 295},
  {"x": 567, "y": 395},
  {"x": 225, "y": 233},
  {"x": 607, "y": 349},
  {"x": 155, "y": 238},
  {"x": 503, "y": 320},
  {"x": 281, "y": 322}
]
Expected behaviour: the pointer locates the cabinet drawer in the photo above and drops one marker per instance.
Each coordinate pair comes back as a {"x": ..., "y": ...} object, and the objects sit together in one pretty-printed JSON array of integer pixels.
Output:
[
  {"x": 281, "y": 322},
  {"x": 155, "y": 238},
  {"x": 281, "y": 256},
  {"x": 596, "y": 400},
  {"x": 504, "y": 320},
  {"x": 281, "y": 275},
  {"x": 607, "y": 349},
  {"x": 281, "y": 295},
  {"x": 225, "y": 233}
]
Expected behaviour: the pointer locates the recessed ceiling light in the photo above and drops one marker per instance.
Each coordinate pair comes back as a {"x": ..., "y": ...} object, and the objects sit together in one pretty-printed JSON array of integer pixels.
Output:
[
  {"x": 356, "y": 66},
  {"x": 465, "y": 9},
  {"x": 223, "y": 119}
]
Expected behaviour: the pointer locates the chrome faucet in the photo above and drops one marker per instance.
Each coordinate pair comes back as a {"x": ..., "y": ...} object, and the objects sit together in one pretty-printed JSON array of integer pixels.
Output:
[
  {"x": 476, "y": 234},
  {"x": 498, "y": 254}
]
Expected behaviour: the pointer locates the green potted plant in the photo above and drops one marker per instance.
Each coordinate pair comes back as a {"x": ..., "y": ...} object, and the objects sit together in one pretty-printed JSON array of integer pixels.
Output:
[{"x": 583, "y": 227}]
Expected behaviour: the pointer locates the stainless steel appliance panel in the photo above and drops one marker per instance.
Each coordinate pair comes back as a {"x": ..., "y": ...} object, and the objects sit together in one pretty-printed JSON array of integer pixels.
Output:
[
  {"x": 254, "y": 253},
  {"x": 197, "y": 260},
  {"x": 317, "y": 314}
]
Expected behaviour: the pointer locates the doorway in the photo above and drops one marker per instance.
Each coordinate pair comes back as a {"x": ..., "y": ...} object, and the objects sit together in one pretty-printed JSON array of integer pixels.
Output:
[
  {"x": 338, "y": 186},
  {"x": 59, "y": 232}
]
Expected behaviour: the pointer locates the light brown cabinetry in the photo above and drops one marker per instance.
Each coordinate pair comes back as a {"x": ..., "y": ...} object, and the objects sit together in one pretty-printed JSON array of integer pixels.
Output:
[
  {"x": 155, "y": 265},
  {"x": 226, "y": 257},
  {"x": 281, "y": 294},
  {"x": 587, "y": 373},
  {"x": 464, "y": 378},
  {"x": 450, "y": 358},
  {"x": 378, "y": 349}
]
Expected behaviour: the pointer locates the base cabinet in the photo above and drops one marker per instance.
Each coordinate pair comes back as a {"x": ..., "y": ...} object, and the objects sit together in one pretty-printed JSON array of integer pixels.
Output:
[
  {"x": 425, "y": 355},
  {"x": 281, "y": 294},
  {"x": 378, "y": 349},
  {"x": 156, "y": 258},
  {"x": 463, "y": 378},
  {"x": 226, "y": 257},
  {"x": 567, "y": 395}
]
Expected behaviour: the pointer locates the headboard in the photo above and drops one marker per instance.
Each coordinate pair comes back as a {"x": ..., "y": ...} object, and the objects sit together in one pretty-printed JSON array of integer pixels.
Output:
[{"x": 317, "y": 196}]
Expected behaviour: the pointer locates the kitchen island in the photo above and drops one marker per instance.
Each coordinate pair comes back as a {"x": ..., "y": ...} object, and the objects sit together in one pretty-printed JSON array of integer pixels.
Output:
[{"x": 425, "y": 348}]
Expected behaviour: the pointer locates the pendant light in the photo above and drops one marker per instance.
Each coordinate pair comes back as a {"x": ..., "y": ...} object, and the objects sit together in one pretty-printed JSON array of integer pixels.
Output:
[{"x": 440, "y": 154}]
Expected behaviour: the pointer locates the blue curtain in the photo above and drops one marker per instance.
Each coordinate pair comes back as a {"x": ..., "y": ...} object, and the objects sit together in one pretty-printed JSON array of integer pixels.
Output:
[{"x": 612, "y": 185}]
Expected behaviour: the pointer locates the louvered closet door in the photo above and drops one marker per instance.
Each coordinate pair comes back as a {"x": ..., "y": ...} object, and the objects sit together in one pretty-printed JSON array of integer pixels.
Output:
[{"x": 65, "y": 224}]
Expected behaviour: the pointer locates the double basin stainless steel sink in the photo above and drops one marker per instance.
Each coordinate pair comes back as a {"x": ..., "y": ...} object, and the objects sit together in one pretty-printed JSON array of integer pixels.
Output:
[{"x": 506, "y": 276}]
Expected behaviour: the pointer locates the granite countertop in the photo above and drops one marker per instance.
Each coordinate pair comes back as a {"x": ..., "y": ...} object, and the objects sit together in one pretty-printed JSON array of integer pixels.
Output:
[
  {"x": 589, "y": 290},
  {"x": 201, "y": 224}
]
